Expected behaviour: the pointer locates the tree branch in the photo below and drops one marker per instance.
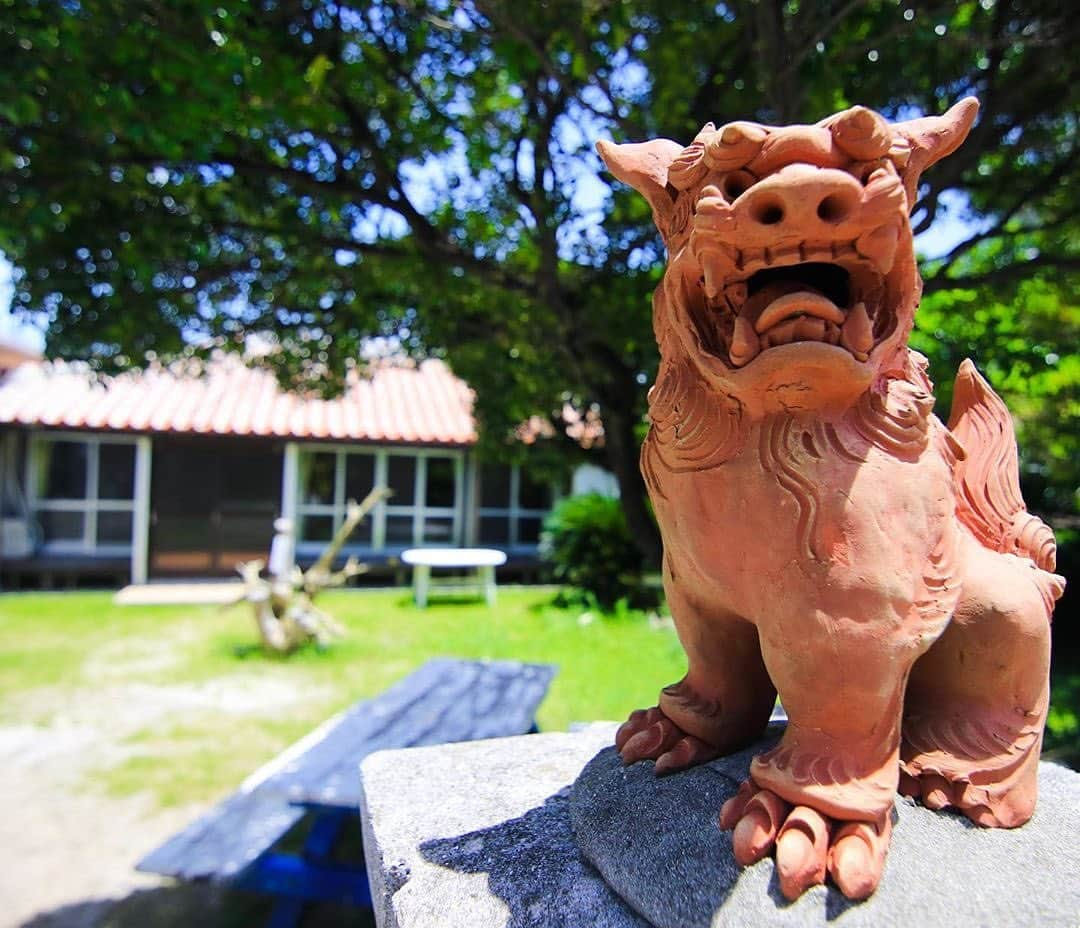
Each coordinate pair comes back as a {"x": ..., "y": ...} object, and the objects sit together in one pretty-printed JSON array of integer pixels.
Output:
[{"x": 1002, "y": 274}]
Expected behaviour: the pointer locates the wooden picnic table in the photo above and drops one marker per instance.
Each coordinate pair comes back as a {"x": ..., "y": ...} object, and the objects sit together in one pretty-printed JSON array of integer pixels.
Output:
[
  {"x": 444, "y": 701},
  {"x": 482, "y": 560}
]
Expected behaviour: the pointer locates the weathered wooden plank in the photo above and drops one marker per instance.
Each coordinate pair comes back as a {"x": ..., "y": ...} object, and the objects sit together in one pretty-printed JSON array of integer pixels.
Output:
[
  {"x": 444, "y": 700},
  {"x": 225, "y": 840},
  {"x": 466, "y": 702}
]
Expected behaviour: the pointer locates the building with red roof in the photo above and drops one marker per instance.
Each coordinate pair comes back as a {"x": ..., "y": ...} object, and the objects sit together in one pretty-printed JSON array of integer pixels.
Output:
[{"x": 180, "y": 472}]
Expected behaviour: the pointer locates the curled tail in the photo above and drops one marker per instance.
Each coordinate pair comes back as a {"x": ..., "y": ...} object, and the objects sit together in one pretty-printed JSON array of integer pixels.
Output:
[{"x": 988, "y": 477}]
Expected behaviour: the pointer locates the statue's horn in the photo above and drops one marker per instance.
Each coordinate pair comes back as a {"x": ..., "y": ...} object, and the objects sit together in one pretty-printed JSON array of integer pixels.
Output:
[
  {"x": 644, "y": 166},
  {"x": 920, "y": 143}
]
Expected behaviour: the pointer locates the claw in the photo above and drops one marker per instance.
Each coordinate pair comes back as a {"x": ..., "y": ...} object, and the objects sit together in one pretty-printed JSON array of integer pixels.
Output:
[
  {"x": 936, "y": 792},
  {"x": 909, "y": 786},
  {"x": 801, "y": 851},
  {"x": 732, "y": 810},
  {"x": 756, "y": 832},
  {"x": 857, "y": 857},
  {"x": 686, "y": 752},
  {"x": 637, "y": 721},
  {"x": 654, "y": 741}
]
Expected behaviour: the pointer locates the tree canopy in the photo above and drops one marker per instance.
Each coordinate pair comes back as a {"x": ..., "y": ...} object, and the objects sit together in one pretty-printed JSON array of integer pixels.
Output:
[{"x": 184, "y": 173}]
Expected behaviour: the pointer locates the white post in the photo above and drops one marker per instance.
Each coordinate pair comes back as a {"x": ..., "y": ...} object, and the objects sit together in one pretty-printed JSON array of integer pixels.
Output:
[
  {"x": 140, "y": 534},
  {"x": 487, "y": 577},
  {"x": 421, "y": 584},
  {"x": 290, "y": 475}
]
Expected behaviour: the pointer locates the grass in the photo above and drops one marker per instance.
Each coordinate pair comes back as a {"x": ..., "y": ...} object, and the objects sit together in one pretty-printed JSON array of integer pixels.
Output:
[
  {"x": 226, "y": 707},
  {"x": 231, "y": 707}
]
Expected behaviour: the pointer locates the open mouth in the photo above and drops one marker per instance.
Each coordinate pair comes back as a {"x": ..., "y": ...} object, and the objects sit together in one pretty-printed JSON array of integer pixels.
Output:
[{"x": 767, "y": 304}]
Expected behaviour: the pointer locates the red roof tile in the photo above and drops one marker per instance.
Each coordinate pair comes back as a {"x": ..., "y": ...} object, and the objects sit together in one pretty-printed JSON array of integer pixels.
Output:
[{"x": 401, "y": 402}]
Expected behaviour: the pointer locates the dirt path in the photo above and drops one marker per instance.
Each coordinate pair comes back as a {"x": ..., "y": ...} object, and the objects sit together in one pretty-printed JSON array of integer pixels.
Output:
[
  {"x": 67, "y": 850},
  {"x": 60, "y": 847}
]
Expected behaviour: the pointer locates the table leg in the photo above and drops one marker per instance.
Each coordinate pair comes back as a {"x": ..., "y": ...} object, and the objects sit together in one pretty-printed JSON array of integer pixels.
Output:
[
  {"x": 487, "y": 578},
  {"x": 421, "y": 582}
]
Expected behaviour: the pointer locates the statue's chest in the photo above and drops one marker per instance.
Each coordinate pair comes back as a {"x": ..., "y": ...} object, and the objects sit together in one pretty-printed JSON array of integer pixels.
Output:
[{"x": 800, "y": 512}]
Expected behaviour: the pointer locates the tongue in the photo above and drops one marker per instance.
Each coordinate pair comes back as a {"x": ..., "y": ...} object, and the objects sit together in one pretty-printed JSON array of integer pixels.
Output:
[{"x": 801, "y": 302}]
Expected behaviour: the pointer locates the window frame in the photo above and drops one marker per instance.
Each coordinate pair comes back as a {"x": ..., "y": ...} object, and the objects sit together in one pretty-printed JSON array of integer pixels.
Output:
[
  {"x": 90, "y": 505},
  {"x": 418, "y": 511},
  {"x": 514, "y": 512}
]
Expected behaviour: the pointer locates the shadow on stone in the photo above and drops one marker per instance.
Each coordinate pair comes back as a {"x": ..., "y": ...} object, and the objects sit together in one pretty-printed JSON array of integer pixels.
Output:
[
  {"x": 534, "y": 866},
  {"x": 184, "y": 904},
  {"x": 634, "y": 827},
  {"x": 658, "y": 845}
]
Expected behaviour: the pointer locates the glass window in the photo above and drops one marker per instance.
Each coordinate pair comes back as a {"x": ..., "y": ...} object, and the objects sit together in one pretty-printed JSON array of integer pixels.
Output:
[
  {"x": 532, "y": 494},
  {"x": 116, "y": 471},
  {"x": 66, "y": 470},
  {"x": 316, "y": 528},
  {"x": 318, "y": 482},
  {"x": 412, "y": 515},
  {"x": 495, "y": 486},
  {"x": 359, "y": 475},
  {"x": 529, "y": 530},
  {"x": 495, "y": 530},
  {"x": 438, "y": 530},
  {"x": 441, "y": 483},
  {"x": 399, "y": 531},
  {"x": 76, "y": 509},
  {"x": 512, "y": 506},
  {"x": 114, "y": 528},
  {"x": 401, "y": 478},
  {"x": 62, "y": 526}
]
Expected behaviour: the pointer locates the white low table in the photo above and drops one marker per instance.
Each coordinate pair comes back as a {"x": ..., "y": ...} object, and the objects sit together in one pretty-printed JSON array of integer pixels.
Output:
[{"x": 482, "y": 560}]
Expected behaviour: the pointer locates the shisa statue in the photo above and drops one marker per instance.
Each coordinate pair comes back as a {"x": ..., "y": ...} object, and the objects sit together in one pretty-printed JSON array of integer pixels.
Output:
[
  {"x": 284, "y": 602},
  {"x": 825, "y": 535}
]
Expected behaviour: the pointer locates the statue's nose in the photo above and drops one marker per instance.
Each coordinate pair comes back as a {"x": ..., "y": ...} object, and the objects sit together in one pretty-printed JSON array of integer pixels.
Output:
[{"x": 800, "y": 201}]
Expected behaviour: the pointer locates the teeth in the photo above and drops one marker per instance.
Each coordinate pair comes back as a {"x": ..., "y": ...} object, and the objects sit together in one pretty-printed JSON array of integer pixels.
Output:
[
  {"x": 736, "y": 293},
  {"x": 782, "y": 334},
  {"x": 753, "y": 256},
  {"x": 800, "y": 302},
  {"x": 744, "y": 342},
  {"x": 787, "y": 255},
  {"x": 810, "y": 328},
  {"x": 857, "y": 335}
]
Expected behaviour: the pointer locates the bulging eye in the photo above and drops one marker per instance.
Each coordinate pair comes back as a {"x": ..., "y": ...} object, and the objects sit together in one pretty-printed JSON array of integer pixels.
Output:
[{"x": 736, "y": 183}]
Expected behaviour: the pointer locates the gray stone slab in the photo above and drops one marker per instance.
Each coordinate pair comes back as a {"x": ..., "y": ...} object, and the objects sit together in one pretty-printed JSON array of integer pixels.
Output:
[
  {"x": 480, "y": 834},
  {"x": 477, "y": 835},
  {"x": 658, "y": 845}
]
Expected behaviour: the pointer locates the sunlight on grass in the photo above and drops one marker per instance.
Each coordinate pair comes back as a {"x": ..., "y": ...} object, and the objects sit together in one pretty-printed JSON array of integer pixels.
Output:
[{"x": 189, "y": 705}]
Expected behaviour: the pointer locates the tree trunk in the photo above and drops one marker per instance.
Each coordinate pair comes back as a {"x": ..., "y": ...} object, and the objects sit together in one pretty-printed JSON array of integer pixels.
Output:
[{"x": 622, "y": 451}]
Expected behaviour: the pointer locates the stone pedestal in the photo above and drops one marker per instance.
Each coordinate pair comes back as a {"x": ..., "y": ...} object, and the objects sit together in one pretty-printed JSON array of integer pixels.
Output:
[{"x": 498, "y": 833}]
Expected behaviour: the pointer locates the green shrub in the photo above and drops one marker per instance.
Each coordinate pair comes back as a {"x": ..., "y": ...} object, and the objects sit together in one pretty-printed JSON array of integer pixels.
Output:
[{"x": 588, "y": 544}]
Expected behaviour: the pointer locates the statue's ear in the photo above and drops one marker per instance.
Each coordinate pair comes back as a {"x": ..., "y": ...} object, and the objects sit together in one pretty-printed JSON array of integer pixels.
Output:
[
  {"x": 644, "y": 166},
  {"x": 919, "y": 143}
]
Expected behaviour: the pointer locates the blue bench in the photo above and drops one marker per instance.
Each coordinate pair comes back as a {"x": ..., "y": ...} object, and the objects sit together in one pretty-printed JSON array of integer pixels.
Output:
[{"x": 445, "y": 700}]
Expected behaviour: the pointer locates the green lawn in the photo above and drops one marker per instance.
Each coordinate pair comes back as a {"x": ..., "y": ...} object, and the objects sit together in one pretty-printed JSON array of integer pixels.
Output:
[
  {"x": 188, "y": 706},
  {"x": 226, "y": 707}
]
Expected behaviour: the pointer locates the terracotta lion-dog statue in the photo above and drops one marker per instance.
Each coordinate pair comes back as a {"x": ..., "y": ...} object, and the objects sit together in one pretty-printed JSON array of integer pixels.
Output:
[{"x": 825, "y": 536}]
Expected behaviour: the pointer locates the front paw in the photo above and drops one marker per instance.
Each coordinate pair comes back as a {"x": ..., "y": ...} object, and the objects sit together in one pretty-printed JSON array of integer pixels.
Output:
[
  {"x": 648, "y": 734},
  {"x": 808, "y": 844}
]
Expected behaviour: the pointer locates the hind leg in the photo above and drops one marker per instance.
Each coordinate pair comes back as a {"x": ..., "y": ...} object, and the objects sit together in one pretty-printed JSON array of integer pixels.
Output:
[
  {"x": 723, "y": 702},
  {"x": 977, "y": 700}
]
